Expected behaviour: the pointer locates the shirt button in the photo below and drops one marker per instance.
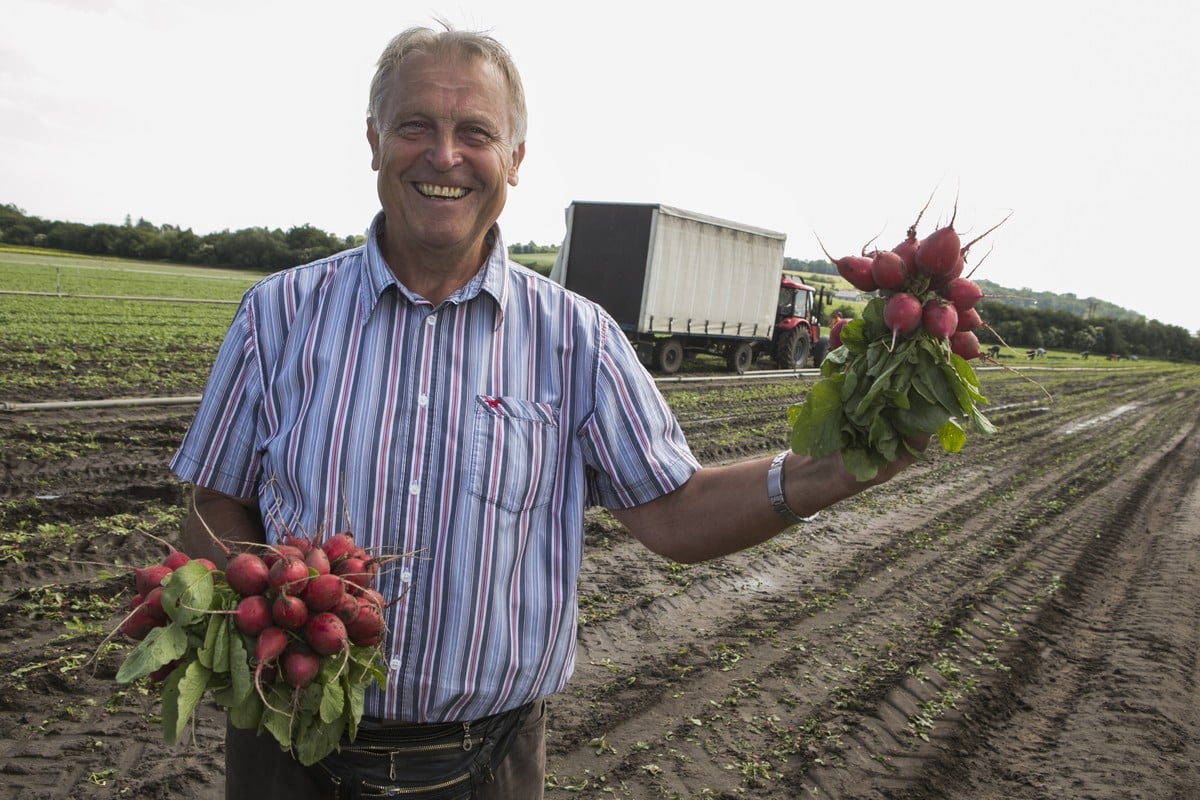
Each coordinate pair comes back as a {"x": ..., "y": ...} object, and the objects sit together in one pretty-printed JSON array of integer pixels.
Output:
[
  {"x": 431, "y": 320},
  {"x": 394, "y": 664},
  {"x": 423, "y": 400},
  {"x": 414, "y": 488},
  {"x": 406, "y": 576}
]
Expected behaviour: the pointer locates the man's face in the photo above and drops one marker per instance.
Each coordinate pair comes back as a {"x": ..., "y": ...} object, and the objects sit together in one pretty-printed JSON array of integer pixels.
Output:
[{"x": 444, "y": 153}]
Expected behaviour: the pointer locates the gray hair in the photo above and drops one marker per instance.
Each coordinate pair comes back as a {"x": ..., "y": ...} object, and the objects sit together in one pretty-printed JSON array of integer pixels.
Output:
[{"x": 473, "y": 44}]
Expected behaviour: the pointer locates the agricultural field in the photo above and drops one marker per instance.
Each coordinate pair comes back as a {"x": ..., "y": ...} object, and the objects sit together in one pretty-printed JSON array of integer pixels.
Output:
[{"x": 1018, "y": 620}]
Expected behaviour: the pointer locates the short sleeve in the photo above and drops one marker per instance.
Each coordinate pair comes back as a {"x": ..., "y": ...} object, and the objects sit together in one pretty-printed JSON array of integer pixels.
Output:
[
  {"x": 637, "y": 450},
  {"x": 220, "y": 450}
]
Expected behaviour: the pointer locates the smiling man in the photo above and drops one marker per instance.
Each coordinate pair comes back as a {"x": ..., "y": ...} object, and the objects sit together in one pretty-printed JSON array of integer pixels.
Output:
[
  {"x": 459, "y": 412},
  {"x": 447, "y": 134}
]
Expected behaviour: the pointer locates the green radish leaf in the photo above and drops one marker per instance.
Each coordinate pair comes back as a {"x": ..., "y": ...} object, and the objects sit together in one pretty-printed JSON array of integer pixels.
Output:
[
  {"x": 333, "y": 702},
  {"x": 315, "y": 741},
  {"x": 188, "y": 593},
  {"x": 275, "y": 718},
  {"x": 160, "y": 647},
  {"x": 860, "y": 463},
  {"x": 951, "y": 436},
  {"x": 246, "y": 713},
  {"x": 181, "y": 694},
  {"x": 240, "y": 676},
  {"x": 816, "y": 429}
]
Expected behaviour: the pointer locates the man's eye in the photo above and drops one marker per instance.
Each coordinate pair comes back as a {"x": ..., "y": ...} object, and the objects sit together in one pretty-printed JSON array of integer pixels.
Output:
[
  {"x": 479, "y": 135},
  {"x": 411, "y": 128}
]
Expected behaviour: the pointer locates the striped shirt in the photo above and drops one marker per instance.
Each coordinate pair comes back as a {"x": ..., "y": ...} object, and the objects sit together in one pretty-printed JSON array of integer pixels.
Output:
[{"x": 462, "y": 441}]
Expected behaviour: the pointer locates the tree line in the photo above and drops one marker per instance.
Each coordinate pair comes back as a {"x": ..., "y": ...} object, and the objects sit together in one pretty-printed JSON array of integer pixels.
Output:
[
  {"x": 1021, "y": 318},
  {"x": 248, "y": 248},
  {"x": 1028, "y": 319}
]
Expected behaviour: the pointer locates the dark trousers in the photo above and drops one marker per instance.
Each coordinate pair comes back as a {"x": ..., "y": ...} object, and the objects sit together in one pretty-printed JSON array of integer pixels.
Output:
[{"x": 257, "y": 769}]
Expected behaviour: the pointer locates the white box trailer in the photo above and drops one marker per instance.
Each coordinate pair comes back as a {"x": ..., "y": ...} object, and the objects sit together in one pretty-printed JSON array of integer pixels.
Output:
[{"x": 677, "y": 282}]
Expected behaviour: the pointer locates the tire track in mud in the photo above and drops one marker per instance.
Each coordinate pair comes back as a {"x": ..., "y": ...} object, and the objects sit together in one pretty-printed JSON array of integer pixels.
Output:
[{"x": 852, "y": 649}]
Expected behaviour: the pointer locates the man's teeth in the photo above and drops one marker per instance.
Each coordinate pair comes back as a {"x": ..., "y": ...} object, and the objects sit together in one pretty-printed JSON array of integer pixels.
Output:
[{"x": 448, "y": 192}]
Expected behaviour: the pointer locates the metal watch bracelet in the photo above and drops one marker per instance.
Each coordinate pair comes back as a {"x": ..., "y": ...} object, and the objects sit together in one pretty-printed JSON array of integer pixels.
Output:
[{"x": 775, "y": 492}]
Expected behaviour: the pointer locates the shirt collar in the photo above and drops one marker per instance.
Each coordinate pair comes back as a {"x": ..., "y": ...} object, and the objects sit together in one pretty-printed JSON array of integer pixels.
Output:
[{"x": 492, "y": 277}]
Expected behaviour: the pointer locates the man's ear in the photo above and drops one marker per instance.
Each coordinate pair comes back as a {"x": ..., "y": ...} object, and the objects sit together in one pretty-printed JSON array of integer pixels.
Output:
[
  {"x": 373, "y": 138},
  {"x": 518, "y": 157}
]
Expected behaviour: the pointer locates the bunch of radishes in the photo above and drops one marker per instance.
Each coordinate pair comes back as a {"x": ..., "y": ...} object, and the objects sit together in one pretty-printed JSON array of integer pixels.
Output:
[
  {"x": 922, "y": 284},
  {"x": 285, "y": 640},
  {"x": 900, "y": 374}
]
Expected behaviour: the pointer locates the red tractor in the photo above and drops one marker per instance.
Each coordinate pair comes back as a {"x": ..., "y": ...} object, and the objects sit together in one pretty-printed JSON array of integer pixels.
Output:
[{"x": 797, "y": 332}]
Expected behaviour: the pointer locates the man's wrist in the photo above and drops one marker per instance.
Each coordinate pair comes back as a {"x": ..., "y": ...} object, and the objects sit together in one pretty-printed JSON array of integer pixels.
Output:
[{"x": 776, "y": 495}]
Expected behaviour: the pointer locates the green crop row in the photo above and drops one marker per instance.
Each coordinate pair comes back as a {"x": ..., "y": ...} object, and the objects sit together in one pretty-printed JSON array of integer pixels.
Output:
[{"x": 81, "y": 342}]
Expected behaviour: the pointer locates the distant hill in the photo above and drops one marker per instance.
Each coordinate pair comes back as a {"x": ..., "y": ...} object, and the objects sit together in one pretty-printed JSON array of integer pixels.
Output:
[{"x": 1083, "y": 307}]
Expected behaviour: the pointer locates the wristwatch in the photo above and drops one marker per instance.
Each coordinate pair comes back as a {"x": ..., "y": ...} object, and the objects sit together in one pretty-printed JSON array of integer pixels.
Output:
[{"x": 775, "y": 492}]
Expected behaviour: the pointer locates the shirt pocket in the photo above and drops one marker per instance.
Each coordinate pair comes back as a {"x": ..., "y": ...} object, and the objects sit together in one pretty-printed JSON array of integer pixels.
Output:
[{"x": 514, "y": 452}]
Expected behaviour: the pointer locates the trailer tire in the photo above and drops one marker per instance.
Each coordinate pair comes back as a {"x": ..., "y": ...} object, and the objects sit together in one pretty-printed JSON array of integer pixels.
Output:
[
  {"x": 791, "y": 351},
  {"x": 739, "y": 356},
  {"x": 668, "y": 356}
]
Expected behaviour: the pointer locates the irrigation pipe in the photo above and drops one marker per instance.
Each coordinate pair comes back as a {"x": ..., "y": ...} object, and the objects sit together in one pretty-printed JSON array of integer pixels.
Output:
[
  {"x": 121, "y": 297},
  {"x": 120, "y": 402}
]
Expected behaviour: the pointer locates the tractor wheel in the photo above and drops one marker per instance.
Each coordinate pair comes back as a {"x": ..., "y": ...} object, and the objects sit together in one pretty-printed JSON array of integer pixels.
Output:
[{"x": 791, "y": 351}]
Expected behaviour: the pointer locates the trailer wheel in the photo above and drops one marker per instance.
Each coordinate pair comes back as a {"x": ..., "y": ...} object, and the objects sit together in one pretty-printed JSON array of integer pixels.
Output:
[
  {"x": 791, "y": 351},
  {"x": 668, "y": 356},
  {"x": 739, "y": 356}
]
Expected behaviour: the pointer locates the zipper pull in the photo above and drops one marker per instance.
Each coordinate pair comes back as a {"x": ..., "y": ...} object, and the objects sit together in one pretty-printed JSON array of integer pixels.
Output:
[
  {"x": 392, "y": 765},
  {"x": 467, "y": 744}
]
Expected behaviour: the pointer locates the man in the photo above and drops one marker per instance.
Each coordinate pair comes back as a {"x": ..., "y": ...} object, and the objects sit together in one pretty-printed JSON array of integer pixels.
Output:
[{"x": 458, "y": 412}]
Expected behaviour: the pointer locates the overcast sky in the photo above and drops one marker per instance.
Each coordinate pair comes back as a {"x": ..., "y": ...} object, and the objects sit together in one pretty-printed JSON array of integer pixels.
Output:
[{"x": 831, "y": 118}]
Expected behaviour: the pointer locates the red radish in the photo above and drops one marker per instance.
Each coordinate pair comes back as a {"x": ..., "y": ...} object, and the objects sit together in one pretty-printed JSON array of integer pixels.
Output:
[
  {"x": 857, "y": 272},
  {"x": 153, "y": 603},
  {"x": 939, "y": 253},
  {"x": 965, "y": 344},
  {"x": 902, "y": 314},
  {"x": 888, "y": 270},
  {"x": 325, "y": 634},
  {"x": 346, "y": 608},
  {"x": 301, "y": 543},
  {"x": 317, "y": 560},
  {"x": 964, "y": 293},
  {"x": 855, "y": 269},
  {"x": 969, "y": 320},
  {"x": 139, "y": 623},
  {"x": 372, "y": 596},
  {"x": 300, "y": 666},
  {"x": 176, "y": 559},
  {"x": 159, "y": 675},
  {"x": 253, "y": 615},
  {"x": 247, "y": 574},
  {"x": 146, "y": 578},
  {"x": 907, "y": 250},
  {"x": 289, "y": 612},
  {"x": 367, "y": 627},
  {"x": 208, "y": 564},
  {"x": 939, "y": 318},
  {"x": 338, "y": 546},
  {"x": 269, "y": 645},
  {"x": 288, "y": 575},
  {"x": 278, "y": 551},
  {"x": 324, "y": 592},
  {"x": 354, "y": 570}
]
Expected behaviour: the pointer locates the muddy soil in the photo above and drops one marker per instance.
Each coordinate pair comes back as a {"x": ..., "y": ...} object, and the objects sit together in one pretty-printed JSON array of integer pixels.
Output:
[{"x": 1019, "y": 620}]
